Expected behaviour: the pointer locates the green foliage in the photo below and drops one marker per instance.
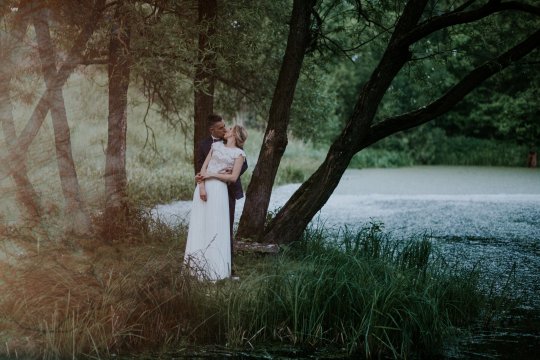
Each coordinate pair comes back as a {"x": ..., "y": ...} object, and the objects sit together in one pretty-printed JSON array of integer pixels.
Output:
[
  {"x": 300, "y": 160},
  {"x": 501, "y": 109},
  {"x": 470, "y": 151},
  {"x": 380, "y": 158},
  {"x": 249, "y": 44},
  {"x": 164, "y": 54},
  {"x": 429, "y": 145}
]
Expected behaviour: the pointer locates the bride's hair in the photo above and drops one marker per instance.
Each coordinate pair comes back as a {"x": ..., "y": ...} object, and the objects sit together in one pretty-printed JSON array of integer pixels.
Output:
[{"x": 240, "y": 135}]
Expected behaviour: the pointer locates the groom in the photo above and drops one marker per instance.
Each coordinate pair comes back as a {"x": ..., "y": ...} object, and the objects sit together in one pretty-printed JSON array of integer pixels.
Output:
[{"x": 217, "y": 129}]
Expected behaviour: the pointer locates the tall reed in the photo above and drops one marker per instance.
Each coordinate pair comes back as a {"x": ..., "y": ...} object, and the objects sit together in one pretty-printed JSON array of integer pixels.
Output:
[
  {"x": 77, "y": 298},
  {"x": 349, "y": 289},
  {"x": 357, "y": 290}
]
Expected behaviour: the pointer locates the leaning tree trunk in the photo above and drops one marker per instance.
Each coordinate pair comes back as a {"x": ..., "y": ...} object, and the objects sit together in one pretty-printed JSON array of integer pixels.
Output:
[
  {"x": 204, "y": 82},
  {"x": 10, "y": 43},
  {"x": 275, "y": 138},
  {"x": 79, "y": 220},
  {"x": 116, "y": 202},
  {"x": 359, "y": 133}
]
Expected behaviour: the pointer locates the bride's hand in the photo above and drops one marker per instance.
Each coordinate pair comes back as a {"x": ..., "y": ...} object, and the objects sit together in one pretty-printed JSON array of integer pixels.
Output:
[{"x": 203, "y": 194}]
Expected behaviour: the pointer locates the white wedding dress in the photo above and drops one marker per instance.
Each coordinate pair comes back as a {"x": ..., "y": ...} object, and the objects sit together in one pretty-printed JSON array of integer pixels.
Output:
[{"x": 208, "y": 248}]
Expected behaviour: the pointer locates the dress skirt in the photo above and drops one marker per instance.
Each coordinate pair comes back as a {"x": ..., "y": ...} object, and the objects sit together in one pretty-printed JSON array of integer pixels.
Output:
[{"x": 208, "y": 248}]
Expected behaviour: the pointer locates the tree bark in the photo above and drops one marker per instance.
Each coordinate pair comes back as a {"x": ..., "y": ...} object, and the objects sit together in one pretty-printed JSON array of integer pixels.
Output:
[
  {"x": 75, "y": 212},
  {"x": 294, "y": 217},
  {"x": 275, "y": 138},
  {"x": 116, "y": 202},
  {"x": 204, "y": 81},
  {"x": 26, "y": 195}
]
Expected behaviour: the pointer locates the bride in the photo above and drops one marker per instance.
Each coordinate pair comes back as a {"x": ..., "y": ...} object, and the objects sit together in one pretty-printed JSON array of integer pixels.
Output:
[{"x": 208, "y": 248}]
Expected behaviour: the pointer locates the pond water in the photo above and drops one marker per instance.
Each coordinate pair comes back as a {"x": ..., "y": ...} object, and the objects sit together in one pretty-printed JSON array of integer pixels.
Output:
[{"x": 477, "y": 215}]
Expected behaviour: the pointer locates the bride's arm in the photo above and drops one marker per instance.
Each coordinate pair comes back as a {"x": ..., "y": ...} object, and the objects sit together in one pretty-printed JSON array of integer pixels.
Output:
[
  {"x": 206, "y": 161},
  {"x": 200, "y": 177},
  {"x": 238, "y": 162}
]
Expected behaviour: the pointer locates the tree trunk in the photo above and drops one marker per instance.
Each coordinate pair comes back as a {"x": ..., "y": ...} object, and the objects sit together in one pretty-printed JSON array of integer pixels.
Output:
[
  {"x": 79, "y": 220},
  {"x": 275, "y": 138},
  {"x": 116, "y": 205},
  {"x": 204, "y": 82},
  {"x": 26, "y": 195}
]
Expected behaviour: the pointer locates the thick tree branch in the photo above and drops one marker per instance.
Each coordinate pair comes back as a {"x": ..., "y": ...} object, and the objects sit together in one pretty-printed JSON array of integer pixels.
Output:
[
  {"x": 440, "y": 106},
  {"x": 462, "y": 17}
]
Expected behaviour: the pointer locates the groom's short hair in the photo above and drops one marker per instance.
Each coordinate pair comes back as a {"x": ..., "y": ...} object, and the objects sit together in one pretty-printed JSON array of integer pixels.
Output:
[{"x": 213, "y": 119}]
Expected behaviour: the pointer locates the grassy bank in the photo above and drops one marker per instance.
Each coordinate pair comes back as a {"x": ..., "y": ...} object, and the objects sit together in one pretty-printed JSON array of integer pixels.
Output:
[{"x": 354, "y": 291}]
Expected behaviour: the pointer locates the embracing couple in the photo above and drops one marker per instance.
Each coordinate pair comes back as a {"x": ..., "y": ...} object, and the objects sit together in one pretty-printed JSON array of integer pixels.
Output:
[{"x": 221, "y": 161}]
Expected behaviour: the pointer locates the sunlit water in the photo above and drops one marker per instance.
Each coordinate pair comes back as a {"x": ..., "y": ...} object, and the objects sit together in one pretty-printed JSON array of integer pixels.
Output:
[{"x": 488, "y": 217}]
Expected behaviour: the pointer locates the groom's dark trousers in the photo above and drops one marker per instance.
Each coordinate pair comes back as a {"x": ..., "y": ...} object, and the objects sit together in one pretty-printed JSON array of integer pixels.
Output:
[{"x": 234, "y": 189}]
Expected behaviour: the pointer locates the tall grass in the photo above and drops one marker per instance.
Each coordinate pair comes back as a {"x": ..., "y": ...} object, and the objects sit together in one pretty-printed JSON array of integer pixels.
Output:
[
  {"x": 354, "y": 291},
  {"x": 360, "y": 291},
  {"x": 86, "y": 298}
]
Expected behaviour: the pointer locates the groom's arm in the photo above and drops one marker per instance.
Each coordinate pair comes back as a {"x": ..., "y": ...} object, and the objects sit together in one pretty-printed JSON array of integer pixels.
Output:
[
  {"x": 202, "y": 153},
  {"x": 226, "y": 177},
  {"x": 230, "y": 169},
  {"x": 244, "y": 167}
]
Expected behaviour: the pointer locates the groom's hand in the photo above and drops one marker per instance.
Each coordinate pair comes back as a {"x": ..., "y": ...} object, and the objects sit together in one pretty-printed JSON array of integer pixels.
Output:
[
  {"x": 227, "y": 170},
  {"x": 199, "y": 178}
]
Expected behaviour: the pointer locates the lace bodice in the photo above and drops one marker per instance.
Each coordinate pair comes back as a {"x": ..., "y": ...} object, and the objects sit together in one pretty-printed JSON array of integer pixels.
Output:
[{"x": 223, "y": 157}]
